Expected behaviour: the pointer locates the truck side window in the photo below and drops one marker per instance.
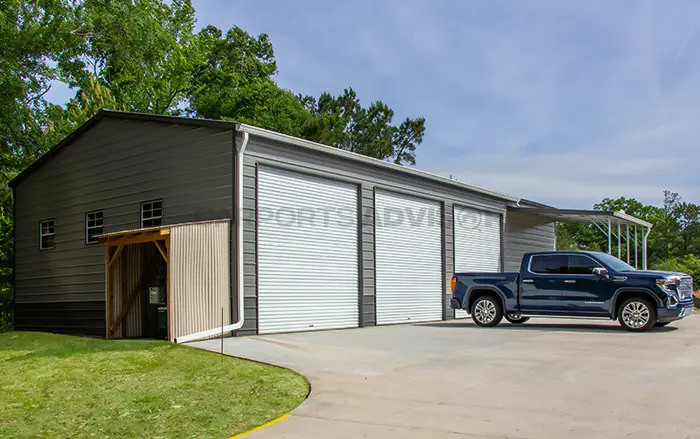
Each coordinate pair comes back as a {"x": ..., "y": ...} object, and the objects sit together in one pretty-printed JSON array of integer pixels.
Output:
[
  {"x": 548, "y": 264},
  {"x": 581, "y": 265}
]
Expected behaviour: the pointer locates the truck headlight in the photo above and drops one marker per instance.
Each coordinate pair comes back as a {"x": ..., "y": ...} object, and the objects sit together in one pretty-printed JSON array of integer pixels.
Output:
[{"x": 670, "y": 284}]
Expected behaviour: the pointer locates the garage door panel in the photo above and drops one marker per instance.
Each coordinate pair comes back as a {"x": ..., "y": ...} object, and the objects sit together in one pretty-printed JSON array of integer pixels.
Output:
[
  {"x": 307, "y": 252},
  {"x": 477, "y": 242},
  {"x": 408, "y": 242}
]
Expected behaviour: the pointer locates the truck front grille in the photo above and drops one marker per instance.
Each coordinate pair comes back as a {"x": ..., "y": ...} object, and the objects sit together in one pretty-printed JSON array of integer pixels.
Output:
[{"x": 686, "y": 288}]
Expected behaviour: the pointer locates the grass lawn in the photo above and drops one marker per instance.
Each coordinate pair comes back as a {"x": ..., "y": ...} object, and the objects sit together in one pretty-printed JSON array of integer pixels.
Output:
[{"x": 57, "y": 386}]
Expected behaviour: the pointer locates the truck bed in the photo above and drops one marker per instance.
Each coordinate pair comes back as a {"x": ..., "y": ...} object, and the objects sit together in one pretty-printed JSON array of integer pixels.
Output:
[{"x": 505, "y": 284}]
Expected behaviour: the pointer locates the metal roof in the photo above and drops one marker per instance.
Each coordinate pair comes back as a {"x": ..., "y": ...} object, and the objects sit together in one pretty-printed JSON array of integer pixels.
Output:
[
  {"x": 581, "y": 216},
  {"x": 325, "y": 149},
  {"x": 226, "y": 125},
  {"x": 131, "y": 232}
]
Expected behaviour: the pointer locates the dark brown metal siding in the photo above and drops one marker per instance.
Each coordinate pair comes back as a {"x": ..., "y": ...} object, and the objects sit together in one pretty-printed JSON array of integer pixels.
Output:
[{"x": 113, "y": 167}]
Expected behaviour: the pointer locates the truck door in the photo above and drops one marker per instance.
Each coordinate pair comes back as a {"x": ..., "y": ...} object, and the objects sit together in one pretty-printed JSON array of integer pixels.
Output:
[
  {"x": 541, "y": 283},
  {"x": 583, "y": 292}
]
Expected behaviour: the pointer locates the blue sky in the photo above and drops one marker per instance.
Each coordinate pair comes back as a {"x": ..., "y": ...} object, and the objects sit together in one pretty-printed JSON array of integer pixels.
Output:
[{"x": 560, "y": 102}]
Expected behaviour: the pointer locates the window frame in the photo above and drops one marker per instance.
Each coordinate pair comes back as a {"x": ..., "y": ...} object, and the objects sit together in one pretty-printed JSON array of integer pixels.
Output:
[
  {"x": 52, "y": 234},
  {"x": 529, "y": 264},
  {"x": 88, "y": 227},
  {"x": 598, "y": 264},
  {"x": 160, "y": 217},
  {"x": 565, "y": 255}
]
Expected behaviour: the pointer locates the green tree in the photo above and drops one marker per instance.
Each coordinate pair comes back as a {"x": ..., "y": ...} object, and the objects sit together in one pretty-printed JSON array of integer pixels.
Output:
[
  {"x": 341, "y": 121},
  {"x": 232, "y": 64},
  {"x": 88, "y": 101},
  {"x": 145, "y": 51},
  {"x": 33, "y": 35}
]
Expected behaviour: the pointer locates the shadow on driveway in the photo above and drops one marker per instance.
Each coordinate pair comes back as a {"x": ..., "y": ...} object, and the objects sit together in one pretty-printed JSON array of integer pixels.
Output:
[{"x": 553, "y": 327}]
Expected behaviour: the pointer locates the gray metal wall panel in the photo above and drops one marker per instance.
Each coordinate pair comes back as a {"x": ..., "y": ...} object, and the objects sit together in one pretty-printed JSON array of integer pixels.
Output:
[
  {"x": 449, "y": 255},
  {"x": 250, "y": 258},
  {"x": 525, "y": 233},
  {"x": 114, "y": 167},
  {"x": 285, "y": 155},
  {"x": 274, "y": 153}
]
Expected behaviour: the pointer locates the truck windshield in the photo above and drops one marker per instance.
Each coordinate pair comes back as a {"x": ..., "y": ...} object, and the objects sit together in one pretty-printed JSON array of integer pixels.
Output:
[{"x": 614, "y": 263}]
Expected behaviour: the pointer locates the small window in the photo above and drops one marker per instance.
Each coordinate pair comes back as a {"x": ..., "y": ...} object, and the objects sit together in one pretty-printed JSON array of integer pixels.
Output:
[
  {"x": 550, "y": 264},
  {"x": 152, "y": 213},
  {"x": 94, "y": 226},
  {"x": 47, "y": 233},
  {"x": 581, "y": 265}
]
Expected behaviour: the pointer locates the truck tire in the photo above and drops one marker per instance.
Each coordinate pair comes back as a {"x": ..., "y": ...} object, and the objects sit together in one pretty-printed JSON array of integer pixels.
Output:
[
  {"x": 516, "y": 318},
  {"x": 486, "y": 311},
  {"x": 637, "y": 314}
]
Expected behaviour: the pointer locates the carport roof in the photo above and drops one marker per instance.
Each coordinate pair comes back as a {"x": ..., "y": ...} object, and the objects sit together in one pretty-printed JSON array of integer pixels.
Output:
[{"x": 581, "y": 216}]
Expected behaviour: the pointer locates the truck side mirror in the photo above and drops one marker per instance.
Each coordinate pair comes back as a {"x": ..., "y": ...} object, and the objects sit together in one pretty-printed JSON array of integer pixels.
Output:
[{"x": 602, "y": 272}]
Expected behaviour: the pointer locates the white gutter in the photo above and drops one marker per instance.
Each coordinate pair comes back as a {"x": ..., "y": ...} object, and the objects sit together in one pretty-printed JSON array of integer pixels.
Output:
[
  {"x": 239, "y": 258},
  {"x": 631, "y": 219}
]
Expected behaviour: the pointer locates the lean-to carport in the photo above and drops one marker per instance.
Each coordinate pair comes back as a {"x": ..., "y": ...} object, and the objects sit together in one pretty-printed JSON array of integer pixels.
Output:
[
  {"x": 608, "y": 222},
  {"x": 196, "y": 281}
]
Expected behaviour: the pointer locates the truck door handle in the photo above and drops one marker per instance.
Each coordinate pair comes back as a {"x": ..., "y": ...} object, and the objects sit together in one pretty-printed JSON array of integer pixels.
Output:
[
  {"x": 527, "y": 281},
  {"x": 569, "y": 281}
]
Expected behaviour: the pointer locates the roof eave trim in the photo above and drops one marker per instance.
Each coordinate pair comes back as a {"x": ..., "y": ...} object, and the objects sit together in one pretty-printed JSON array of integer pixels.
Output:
[{"x": 325, "y": 149}]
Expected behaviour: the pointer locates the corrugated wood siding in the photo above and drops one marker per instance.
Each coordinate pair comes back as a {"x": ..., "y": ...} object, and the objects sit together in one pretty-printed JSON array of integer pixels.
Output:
[
  {"x": 199, "y": 277},
  {"x": 525, "y": 233},
  {"x": 113, "y": 167}
]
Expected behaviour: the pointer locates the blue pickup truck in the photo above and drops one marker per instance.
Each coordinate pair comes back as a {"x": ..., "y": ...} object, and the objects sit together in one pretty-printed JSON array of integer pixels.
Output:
[{"x": 575, "y": 284}]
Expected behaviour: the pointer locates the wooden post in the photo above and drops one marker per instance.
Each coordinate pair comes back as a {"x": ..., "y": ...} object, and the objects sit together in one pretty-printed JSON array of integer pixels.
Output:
[
  {"x": 168, "y": 293},
  {"x": 108, "y": 291}
]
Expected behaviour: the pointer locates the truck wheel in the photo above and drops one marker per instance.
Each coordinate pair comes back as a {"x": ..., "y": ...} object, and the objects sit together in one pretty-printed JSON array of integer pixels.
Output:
[
  {"x": 516, "y": 318},
  {"x": 637, "y": 314},
  {"x": 486, "y": 311}
]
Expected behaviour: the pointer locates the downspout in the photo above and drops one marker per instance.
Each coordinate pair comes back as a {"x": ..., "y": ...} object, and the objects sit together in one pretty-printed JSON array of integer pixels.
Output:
[{"x": 238, "y": 208}]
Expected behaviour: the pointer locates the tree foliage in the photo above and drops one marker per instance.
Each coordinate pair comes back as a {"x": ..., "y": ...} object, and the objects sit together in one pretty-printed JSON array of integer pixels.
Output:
[
  {"x": 143, "y": 50},
  {"x": 341, "y": 121}
]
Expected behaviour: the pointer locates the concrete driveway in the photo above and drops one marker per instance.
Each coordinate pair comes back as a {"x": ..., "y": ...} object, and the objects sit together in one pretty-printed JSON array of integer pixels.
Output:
[{"x": 546, "y": 379}]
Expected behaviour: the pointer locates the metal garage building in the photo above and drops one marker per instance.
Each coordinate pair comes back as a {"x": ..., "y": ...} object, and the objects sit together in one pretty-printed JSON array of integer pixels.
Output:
[{"x": 318, "y": 238}]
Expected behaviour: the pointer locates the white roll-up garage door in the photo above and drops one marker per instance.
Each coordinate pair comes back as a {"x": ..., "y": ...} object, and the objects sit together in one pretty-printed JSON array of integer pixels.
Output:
[
  {"x": 477, "y": 237},
  {"x": 307, "y": 252},
  {"x": 408, "y": 258}
]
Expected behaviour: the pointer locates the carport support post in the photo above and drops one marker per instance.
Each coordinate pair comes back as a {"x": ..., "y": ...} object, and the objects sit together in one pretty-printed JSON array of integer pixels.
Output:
[
  {"x": 628, "y": 243},
  {"x": 644, "y": 247},
  {"x": 609, "y": 236},
  {"x": 636, "y": 248},
  {"x": 619, "y": 241}
]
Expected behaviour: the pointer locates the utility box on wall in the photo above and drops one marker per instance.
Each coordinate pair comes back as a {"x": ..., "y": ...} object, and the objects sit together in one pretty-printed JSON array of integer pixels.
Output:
[{"x": 156, "y": 295}]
